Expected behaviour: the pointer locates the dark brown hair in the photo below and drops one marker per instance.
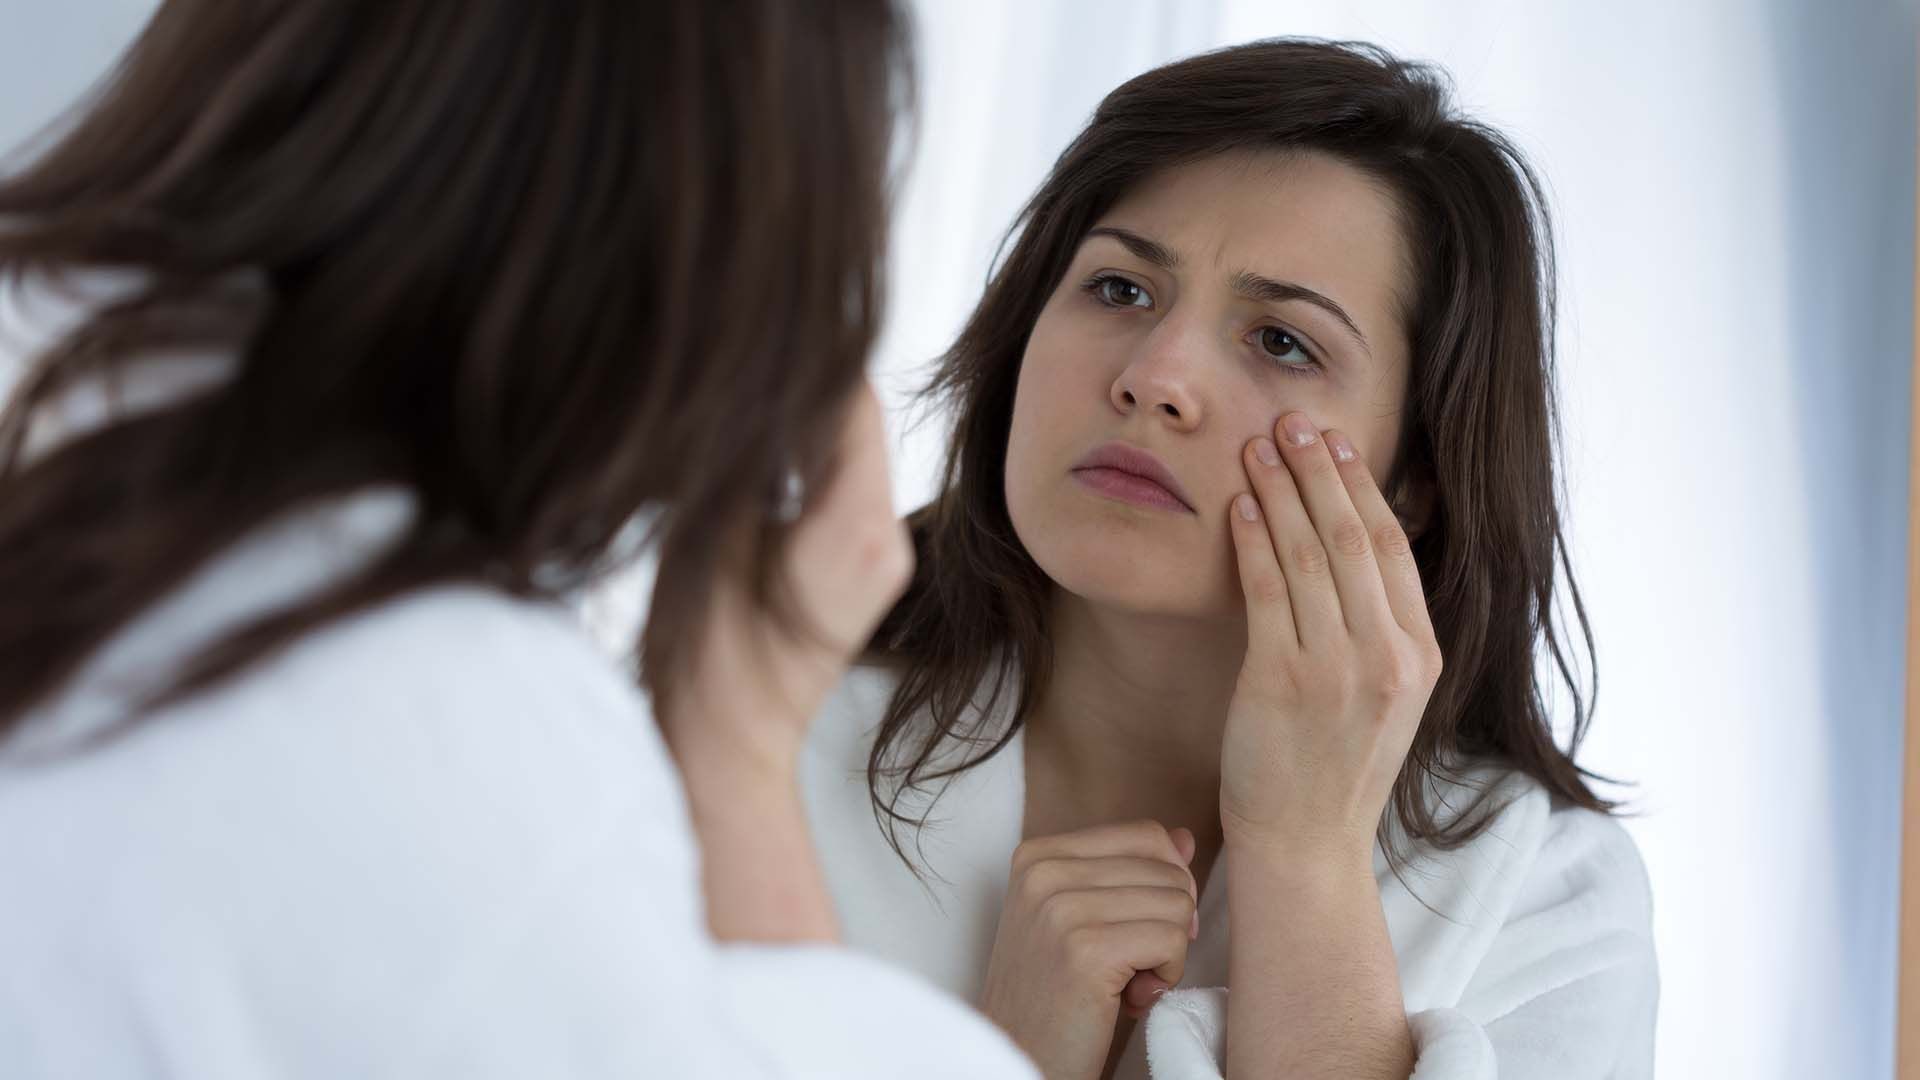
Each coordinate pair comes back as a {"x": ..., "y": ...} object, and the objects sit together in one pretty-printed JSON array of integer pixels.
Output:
[
  {"x": 1478, "y": 429},
  {"x": 541, "y": 263}
]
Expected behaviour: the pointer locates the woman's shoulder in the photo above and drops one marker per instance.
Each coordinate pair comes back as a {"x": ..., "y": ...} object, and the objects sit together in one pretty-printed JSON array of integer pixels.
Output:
[
  {"x": 435, "y": 693},
  {"x": 471, "y": 642}
]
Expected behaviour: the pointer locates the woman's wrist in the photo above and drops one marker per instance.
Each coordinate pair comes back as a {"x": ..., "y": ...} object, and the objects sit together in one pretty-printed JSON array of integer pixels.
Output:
[
  {"x": 1315, "y": 981},
  {"x": 729, "y": 737},
  {"x": 758, "y": 870},
  {"x": 1340, "y": 852},
  {"x": 716, "y": 763}
]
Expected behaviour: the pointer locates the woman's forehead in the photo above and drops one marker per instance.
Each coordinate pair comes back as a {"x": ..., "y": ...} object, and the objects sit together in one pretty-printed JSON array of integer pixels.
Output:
[
  {"x": 1295, "y": 205},
  {"x": 1288, "y": 216}
]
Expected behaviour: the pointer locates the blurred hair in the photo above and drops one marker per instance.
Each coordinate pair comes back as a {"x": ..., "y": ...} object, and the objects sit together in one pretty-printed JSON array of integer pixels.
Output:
[
  {"x": 1478, "y": 427},
  {"x": 543, "y": 264}
]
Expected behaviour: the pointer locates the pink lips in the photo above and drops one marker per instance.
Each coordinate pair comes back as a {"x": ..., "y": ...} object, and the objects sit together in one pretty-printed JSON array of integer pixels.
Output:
[{"x": 1131, "y": 475}]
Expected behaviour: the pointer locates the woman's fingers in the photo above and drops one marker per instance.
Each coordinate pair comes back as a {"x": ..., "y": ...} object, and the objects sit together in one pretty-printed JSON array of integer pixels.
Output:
[
  {"x": 1049, "y": 876},
  {"x": 1147, "y": 945},
  {"x": 1392, "y": 552},
  {"x": 1296, "y": 544},
  {"x": 1269, "y": 607},
  {"x": 1123, "y": 904},
  {"x": 1343, "y": 563},
  {"x": 1140, "y": 839}
]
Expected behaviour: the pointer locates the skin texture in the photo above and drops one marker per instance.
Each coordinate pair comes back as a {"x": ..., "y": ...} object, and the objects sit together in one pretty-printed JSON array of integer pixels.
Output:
[
  {"x": 1261, "y": 697},
  {"x": 1086, "y": 912}
]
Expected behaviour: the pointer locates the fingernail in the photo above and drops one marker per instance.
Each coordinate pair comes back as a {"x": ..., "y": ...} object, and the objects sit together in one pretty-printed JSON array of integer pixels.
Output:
[
  {"x": 1299, "y": 429},
  {"x": 1268, "y": 453},
  {"x": 1342, "y": 449},
  {"x": 1247, "y": 508},
  {"x": 1193, "y": 932}
]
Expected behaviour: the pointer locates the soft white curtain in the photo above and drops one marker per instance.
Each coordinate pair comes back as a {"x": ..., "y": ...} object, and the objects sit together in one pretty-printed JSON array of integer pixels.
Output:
[{"x": 1733, "y": 184}]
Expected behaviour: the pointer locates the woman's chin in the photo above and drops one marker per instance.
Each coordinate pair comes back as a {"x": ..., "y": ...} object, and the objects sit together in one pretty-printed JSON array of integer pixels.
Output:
[
  {"x": 1126, "y": 585},
  {"x": 1150, "y": 564}
]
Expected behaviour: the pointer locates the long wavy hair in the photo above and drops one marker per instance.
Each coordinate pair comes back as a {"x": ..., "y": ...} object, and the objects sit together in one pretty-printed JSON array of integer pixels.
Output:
[
  {"x": 542, "y": 264},
  {"x": 1479, "y": 425}
]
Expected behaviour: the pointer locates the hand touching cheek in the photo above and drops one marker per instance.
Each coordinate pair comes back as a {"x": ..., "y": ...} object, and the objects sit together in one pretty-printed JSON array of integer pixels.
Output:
[{"x": 1341, "y": 656}]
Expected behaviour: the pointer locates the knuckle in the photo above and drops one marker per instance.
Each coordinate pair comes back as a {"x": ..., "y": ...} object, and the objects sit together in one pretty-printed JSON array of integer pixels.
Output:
[
  {"x": 1391, "y": 540},
  {"x": 1308, "y": 557},
  {"x": 1059, "y": 912},
  {"x": 1349, "y": 538},
  {"x": 1024, "y": 856},
  {"x": 1398, "y": 674},
  {"x": 1082, "y": 949},
  {"x": 1040, "y": 881},
  {"x": 1268, "y": 589}
]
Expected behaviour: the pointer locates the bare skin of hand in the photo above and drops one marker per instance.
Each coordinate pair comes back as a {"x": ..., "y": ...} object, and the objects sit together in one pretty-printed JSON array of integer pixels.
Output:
[
  {"x": 1095, "y": 922},
  {"x": 1341, "y": 660},
  {"x": 736, "y": 721},
  {"x": 1341, "y": 656}
]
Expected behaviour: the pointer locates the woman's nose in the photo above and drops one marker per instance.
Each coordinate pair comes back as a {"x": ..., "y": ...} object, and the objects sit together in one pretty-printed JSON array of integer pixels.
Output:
[{"x": 1164, "y": 379}]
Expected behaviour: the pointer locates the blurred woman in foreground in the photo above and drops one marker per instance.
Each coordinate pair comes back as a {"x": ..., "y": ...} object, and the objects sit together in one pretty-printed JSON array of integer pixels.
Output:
[{"x": 381, "y": 324}]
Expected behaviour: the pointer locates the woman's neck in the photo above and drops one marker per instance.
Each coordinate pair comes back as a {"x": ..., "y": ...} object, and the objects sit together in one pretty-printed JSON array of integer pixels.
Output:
[{"x": 1130, "y": 723}]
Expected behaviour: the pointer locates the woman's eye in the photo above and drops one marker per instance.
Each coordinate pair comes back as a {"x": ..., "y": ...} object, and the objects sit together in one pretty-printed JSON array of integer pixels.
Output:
[
  {"x": 1281, "y": 345},
  {"x": 1119, "y": 292}
]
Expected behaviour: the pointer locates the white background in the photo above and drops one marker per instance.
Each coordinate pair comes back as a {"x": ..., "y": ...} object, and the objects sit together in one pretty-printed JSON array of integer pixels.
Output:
[{"x": 1734, "y": 185}]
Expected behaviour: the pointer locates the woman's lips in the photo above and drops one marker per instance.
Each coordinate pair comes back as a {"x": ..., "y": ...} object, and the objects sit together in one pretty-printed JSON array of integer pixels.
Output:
[
  {"x": 1131, "y": 475},
  {"x": 1127, "y": 487}
]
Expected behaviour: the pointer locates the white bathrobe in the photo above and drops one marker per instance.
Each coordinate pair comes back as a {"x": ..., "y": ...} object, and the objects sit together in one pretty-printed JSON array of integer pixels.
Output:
[
  {"x": 1546, "y": 971},
  {"x": 438, "y": 839}
]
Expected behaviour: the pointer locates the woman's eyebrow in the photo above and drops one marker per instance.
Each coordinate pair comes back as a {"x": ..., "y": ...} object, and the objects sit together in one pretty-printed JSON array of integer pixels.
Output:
[
  {"x": 1143, "y": 248},
  {"x": 1255, "y": 287},
  {"x": 1246, "y": 283}
]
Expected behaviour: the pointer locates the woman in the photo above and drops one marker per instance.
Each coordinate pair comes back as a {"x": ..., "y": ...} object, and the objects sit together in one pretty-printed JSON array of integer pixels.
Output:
[
  {"x": 393, "y": 316},
  {"x": 1218, "y": 664}
]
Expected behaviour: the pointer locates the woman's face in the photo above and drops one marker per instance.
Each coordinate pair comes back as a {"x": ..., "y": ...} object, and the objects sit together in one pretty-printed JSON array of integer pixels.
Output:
[{"x": 1211, "y": 299}]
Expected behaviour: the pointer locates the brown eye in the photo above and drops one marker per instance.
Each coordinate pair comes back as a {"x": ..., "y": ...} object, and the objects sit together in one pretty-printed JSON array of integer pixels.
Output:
[
  {"x": 1120, "y": 292},
  {"x": 1283, "y": 346}
]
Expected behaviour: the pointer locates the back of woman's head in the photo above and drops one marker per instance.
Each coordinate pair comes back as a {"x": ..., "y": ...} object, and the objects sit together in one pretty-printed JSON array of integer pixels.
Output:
[
  {"x": 542, "y": 263},
  {"x": 1476, "y": 430}
]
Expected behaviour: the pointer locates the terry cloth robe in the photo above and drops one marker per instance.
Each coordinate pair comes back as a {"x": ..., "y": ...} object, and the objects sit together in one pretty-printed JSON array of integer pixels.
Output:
[
  {"x": 1539, "y": 965},
  {"x": 440, "y": 838}
]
